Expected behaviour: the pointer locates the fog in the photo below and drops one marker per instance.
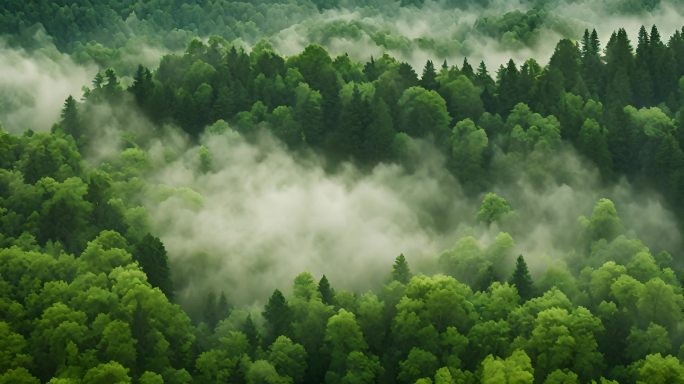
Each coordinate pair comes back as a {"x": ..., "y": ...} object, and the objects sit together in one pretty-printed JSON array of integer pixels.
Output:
[
  {"x": 33, "y": 86},
  {"x": 262, "y": 215},
  {"x": 436, "y": 32}
]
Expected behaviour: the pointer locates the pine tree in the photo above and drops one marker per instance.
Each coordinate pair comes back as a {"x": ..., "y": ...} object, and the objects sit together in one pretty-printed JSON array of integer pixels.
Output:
[
  {"x": 484, "y": 81},
  {"x": 222, "y": 307},
  {"x": 400, "y": 270},
  {"x": 250, "y": 330},
  {"x": 467, "y": 69},
  {"x": 151, "y": 255},
  {"x": 643, "y": 82},
  {"x": 142, "y": 86},
  {"x": 112, "y": 88},
  {"x": 327, "y": 292},
  {"x": 71, "y": 121},
  {"x": 620, "y": 70},
  {"x": 429, "y": 76},
  {"x": 278, "y": 315},
  {"x": 592, "y": 66},
  {"x": 509, "y": 90},
  {"x": 522, "y": 280}
]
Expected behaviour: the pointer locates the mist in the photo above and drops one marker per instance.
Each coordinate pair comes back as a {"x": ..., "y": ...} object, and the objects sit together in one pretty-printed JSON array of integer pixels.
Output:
[
  {"x": 34, "y": 85},
  {"x": 438, "y": 32},
  {"x": 261, "y": 215}
]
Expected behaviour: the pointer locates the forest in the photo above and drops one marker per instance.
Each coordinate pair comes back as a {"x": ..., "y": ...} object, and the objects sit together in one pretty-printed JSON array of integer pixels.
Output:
[{"x": 311, "y": 191}]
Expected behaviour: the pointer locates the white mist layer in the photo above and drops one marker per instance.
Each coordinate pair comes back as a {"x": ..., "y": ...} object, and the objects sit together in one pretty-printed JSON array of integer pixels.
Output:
[
  {"x": 33, "y": 86},
  {"x": 262, "y": 216}
]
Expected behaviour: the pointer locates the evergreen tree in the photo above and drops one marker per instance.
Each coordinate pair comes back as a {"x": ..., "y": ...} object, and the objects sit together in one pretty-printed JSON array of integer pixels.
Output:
[
  {"x": 592, "y": 65},
  {"x": 509, "y": 90},
  {"x": 250, "y": 330},
  {"x": 151, "y": 255},
  {"x": 210, "y": 311},
  {"x": 400, "y": 270},
  {"x": 71, "y": 122},
  {"x": 428, "y": 78},
  {"x": 485, "y": 81},
  {"x": 467, "y": 69},
  {"x": 142, "y": 87},
  {"x": 619, "y": 70},
  {"x": 278, "y": 315},
  {"x": 522, "y": 280},
  {"x": 643, "y": 83},
  {"x": 327, "y": 292},
  {"x": 222, "y": 307}
]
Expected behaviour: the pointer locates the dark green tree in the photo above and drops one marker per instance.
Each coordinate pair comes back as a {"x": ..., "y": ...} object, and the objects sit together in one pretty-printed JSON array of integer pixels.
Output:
[
  {"x": 151, "y": 255},
  {"x": 71, "y": 122},
  {"x": 327, "y": 292},
  {"x": 522, "y": 280},
  {"x": 428, "y": 78},
  {"x": 278, "y": 316},
  {"x": 252, "y": 333},
  {"x": 400, "y": 270}
]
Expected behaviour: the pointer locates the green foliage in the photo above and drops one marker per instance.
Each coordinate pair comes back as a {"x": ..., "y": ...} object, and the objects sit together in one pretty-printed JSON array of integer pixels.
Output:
[
  {"x": 493, "y": 208},
  {"x": 86, "y": 292},
  {"x": 522, "y": 280},
  {"x": 400, "y": 270}
]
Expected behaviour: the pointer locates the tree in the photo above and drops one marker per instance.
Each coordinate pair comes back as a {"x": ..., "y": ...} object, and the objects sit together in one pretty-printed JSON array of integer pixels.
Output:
[
  {"x": 117, "y": 344},
  {"x": 252, "y": 333},
  {"x": 468, "y": 145},
  {"x": 522, "y": 280},
  {"x": 18, "y": 376},
  {"x": 343, "y": 336},
  {"x": 142, "y": 87},
  {"x": 493, "y": 208},
  {"x": 508, "y": 87},
  {"x": 308, "y": 112},
  {"x": 151, "y": 255},
  {"x": 659, "y": 369},
  {"x": 592, "y": 66},
  {"x": 288, "y": 358},
  {"x": 400, "y": 270},
  {"x": 107, "y": 373},
  {"x": 592, "y": 142},
  {"x": 604, "y": 222},
  {"x": 462, "y": 99},
  {"x": 566, "y": 59},
  {"x": 326, "y": 291},
  {"x": 423, "y": 113},
  {"x": 428, "y": 78},
  {"x": 262, "y": 372},
  {"x": 419, "y": 363},
  {"x": 71, "y": 122},
  {"x": 278, "y": 316},
  {"x": 517, "y": 368}
]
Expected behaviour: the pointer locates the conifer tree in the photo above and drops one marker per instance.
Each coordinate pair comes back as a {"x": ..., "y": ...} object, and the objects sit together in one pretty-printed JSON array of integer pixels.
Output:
[
  {"x": 327, "y": 292},
  {"x": 522, "y": 280},
  {"x": 400, "y": 270},
  {"x": 278, "y": 315},
  {"x": 428, "y": 78}
]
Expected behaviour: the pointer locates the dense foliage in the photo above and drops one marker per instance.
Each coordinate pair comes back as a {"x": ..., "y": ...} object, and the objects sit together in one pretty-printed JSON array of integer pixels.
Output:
[
  {"x": 87, "y": 292},
  {"x": 622, "y": 109}
]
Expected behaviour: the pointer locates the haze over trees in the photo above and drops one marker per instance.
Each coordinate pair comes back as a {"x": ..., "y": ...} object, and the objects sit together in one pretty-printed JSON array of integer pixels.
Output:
[{"x": 542, "y": 203}]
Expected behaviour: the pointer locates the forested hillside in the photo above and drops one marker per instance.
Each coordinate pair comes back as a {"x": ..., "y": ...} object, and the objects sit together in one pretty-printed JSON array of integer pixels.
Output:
[{"x": 240, "y": 213}]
